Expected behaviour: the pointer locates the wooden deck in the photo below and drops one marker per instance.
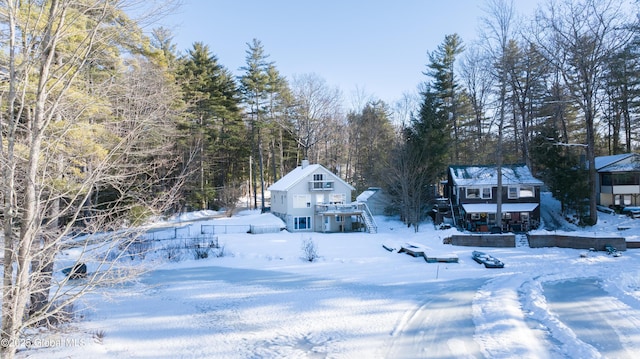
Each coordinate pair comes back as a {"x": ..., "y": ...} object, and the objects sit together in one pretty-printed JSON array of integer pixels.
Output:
[{"x": 416, "y": 250}]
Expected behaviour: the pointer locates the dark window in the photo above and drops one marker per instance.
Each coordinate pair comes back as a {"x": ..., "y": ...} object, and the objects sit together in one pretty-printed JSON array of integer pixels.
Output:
[{"x": 623, "y": 179}]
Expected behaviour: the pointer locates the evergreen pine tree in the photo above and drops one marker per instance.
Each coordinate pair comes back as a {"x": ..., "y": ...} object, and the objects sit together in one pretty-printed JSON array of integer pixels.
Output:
[
  {"x": 214, "y": 126},
  {"x": 253, "y": 85}
]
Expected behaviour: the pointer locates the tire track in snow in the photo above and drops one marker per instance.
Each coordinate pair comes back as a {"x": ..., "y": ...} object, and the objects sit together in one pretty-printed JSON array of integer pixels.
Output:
[
  {"x": 440, "y": 326},
  {"x": 501, "y": 323}
]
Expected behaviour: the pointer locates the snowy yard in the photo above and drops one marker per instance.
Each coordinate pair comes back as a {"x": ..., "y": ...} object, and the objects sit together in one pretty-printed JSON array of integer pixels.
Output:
[{"x": 358, "y": 300}]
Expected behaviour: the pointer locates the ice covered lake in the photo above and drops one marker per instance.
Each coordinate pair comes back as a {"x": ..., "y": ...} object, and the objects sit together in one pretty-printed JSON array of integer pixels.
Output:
[{"x": 262, "y": 299}]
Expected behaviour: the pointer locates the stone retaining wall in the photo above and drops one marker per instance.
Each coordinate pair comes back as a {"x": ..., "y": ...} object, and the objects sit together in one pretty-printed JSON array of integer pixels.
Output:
[
  {"x": 484, "y": 240},
  {"x": 578, "y": 242}
]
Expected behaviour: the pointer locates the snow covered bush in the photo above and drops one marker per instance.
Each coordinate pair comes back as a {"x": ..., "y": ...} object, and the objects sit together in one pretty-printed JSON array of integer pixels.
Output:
[
  {"x": 219, "y": 251},
  {"x": 309, "y": 250},
  {"x": 173, "y": 253},
  {"x": 136, "y": 247},
  {"x": 202, "y": 246}
]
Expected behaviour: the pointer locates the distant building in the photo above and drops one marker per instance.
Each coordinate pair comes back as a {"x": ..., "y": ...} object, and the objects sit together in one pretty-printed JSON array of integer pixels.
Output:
[
  {"x": 311, "y": 198},
  {"x": 618, "y": 180},
  {"x": 473, "y": 193},
  {"x": 375, "y": 199}
]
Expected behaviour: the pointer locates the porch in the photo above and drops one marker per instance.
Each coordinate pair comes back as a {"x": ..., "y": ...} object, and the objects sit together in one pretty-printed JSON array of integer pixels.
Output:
[
  {"x": 516, "y": 217},
  {"x": 337, "y": 217}
]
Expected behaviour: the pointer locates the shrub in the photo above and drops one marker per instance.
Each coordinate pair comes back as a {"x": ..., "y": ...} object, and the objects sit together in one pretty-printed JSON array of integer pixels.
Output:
[
  {"x": 173, "y": 253},
  {"x": 201, "y": 252},
  {"x": 220, "y": 251},
  {"x": 309, "y": 250},
  {"x": 138, "y": 247},
  {"x": 202, "y": 246},
  {"x": 98, "y": 335}
]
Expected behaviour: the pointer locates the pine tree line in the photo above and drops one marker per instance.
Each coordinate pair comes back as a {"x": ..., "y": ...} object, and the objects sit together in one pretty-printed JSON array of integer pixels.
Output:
[
  {"x": 518, "y": 94},
  {"x": 552, "y": 94}
]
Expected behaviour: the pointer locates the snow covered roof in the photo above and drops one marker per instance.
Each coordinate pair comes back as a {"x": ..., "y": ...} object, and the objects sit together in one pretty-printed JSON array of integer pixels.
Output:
[
  {"x": 488, "y": 175},
  {"x": 603, "y": 161},
  {"x": 300, "y": 173},
  {"x": 625, "y": 162},
  {"x": 365, "y": 195}
]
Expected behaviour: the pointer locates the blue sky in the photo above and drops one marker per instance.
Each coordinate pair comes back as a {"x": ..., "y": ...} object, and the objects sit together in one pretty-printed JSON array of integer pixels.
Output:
[{"x": 379, "y": 47}]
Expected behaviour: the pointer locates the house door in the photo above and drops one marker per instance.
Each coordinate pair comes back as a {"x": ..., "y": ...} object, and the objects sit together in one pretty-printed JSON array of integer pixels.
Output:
[{"x": 327, "y": 224}]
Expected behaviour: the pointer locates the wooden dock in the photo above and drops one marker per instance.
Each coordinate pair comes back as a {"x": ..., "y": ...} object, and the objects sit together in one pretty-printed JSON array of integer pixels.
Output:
[{"x": 417, "y": 250}]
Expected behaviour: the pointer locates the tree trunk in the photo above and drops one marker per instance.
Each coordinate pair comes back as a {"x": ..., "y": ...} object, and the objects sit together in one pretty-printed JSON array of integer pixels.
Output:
[{"x": 591, "y": 158}]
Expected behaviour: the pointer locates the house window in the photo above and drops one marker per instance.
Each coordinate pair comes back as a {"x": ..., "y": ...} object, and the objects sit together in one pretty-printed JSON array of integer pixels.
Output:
[
  {"x": 527, "y": 192},
  {"x": 337, "y": 198},
  {"x": 475, "y": 216},
  {"x": 317, "y": 181},
  {"x": 506, "y": 215},
  {"x": 486, "y": 192},
  {"x": 521, "y": 192},
  {"x": 473, "y": 192},
  {"x": 482, "y": 192},
  {"x": 622, "y": 200},
  {"x": 301, "y": 201},
  {"x": 302, "y": 223},
  {"x": 625, "y": 179},
  {"x": 338, "y": 218},
  {"x": 513, "y": 192}
]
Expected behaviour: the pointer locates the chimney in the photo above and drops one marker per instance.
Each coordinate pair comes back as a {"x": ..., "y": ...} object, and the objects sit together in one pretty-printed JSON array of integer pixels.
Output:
[{"x": 305, "y": 163}]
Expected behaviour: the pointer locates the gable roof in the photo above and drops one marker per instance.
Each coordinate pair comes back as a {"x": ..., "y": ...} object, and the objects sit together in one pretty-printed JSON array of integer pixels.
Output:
[
  {"x": 300, "y": 173},
  {"x": 488, "y": 175},
  {"x": 365, "y": 195},
  {"x": 618, "y": 163}
]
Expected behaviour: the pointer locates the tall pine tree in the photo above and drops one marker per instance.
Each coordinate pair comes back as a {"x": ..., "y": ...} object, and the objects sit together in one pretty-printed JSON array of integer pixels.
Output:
[{"x": 214, "y": 126}]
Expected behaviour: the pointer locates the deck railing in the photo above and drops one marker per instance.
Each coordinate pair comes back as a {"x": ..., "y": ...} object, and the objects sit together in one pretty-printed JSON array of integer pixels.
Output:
[{"x": 339, "y": 208}]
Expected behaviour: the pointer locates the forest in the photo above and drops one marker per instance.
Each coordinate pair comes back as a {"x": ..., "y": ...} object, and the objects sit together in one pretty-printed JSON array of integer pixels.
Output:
[
  {"x": 552, "y": 94},
  {"x": 104, "y": 124}
]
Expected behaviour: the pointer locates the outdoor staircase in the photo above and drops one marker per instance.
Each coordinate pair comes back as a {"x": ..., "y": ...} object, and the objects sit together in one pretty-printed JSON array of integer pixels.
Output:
[
  {"x": 369, "y": 222},
  {"x": 522, "y": 240},
  {"x": 455, "y": 213}
]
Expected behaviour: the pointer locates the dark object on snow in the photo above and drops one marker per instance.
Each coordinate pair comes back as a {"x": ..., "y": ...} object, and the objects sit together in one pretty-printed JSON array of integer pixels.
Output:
[
  {"x": 612, "y": 250},
  {"x": 79, "y": 270},
  {"x": 487, "y": 260}
]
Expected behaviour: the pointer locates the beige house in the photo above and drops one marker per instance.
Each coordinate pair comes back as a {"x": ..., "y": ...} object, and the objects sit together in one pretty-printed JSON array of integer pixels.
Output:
[
  {"x": 618, "y": 180},
  {"x": 311, "y": 198}
]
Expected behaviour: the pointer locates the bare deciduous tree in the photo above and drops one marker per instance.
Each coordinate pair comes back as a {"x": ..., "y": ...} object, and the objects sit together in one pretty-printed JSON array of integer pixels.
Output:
[
  {"x": 576, "y": 38},
  {"x": 499, "y": 30},
  {"x": 317, "y": 109},
  {"x": 74, "y": 162},
  {"x": 478, "y": 83}
]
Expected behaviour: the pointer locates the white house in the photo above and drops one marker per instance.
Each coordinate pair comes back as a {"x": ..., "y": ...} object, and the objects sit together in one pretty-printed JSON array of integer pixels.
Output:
[{"x": 312, "y": 198}]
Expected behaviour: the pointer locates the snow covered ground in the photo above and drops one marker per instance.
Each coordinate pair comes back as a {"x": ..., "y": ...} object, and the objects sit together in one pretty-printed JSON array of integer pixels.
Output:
[{"x": 262, "y": 299}]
